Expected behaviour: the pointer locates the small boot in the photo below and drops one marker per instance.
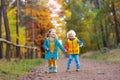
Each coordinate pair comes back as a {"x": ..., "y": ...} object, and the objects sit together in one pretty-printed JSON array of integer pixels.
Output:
[
  {"x": 50, "y": 69},
  {"x": 54, "y": 69},
  {"x": 67, "y": 70},
  {"x": 77, "y": 70}
]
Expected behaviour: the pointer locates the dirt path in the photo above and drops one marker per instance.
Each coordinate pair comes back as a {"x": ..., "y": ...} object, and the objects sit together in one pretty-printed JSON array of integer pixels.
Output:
[{"x": 90, "y": 70}]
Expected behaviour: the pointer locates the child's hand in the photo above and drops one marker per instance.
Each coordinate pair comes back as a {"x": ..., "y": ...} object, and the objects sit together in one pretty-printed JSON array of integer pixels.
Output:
[
  {"x": 81, "y": 46},
  {"x": 65, "y": 51},
  {"x": 47, "y": 49}
]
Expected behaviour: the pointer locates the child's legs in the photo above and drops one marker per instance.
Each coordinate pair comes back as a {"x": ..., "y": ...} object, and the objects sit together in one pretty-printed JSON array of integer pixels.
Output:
[
  {"x": 54, "y": 65},
  {"x": 76, "y": 57},
  {"x": 52, "y": 62},
  {"x": 69, "y": 61}
]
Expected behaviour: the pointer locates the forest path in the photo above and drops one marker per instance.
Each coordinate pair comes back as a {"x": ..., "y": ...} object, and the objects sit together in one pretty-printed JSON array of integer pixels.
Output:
[{"x": 90, "y": 70}]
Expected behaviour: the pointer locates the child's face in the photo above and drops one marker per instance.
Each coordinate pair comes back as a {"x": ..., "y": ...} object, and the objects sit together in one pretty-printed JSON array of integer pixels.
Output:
[
  {"x": 71, "y": 36},
  {"x": 53, "y": 34}
]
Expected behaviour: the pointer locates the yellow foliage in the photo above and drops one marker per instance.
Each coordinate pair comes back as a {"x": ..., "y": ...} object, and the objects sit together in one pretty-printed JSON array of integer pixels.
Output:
[
  {"x": 67, "y": 14},
  {"x": 30, "y": 11},
  {"x": 64, "y": 4},
  {"x": 117, "y": 5},
  {"x": 42, "y": 23},
  {"x": 12, "y": 12},
  {"x": 4, "y": 33},
  {"x": 38, "y": 4}
]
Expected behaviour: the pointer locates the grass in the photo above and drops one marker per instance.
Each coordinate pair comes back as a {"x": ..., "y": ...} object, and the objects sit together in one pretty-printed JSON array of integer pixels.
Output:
[
  {"x": 112, "y": 56},
  {"x": 15, "y": 67}
]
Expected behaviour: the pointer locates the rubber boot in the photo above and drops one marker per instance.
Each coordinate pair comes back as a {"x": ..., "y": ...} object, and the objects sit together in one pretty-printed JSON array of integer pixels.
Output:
[
  {"x": 50, "y": 69},
  {"x": 55, "y": 69}
]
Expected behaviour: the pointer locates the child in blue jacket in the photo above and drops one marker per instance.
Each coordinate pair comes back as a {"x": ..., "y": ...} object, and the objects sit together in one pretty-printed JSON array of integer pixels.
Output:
[{"x": 51, "y": 45}]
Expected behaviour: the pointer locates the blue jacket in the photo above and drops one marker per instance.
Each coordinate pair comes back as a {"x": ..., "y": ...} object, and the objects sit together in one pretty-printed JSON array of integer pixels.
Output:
[{"x": 54, "y": 55}]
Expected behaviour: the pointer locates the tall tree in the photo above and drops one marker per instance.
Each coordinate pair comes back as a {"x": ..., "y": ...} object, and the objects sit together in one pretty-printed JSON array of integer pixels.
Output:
[
  {"x": 18, "y": 53},
  {"x": 107, "y": 17},
  {"x": 1, "y": 50},
  {"x": 3, "y": 4},
  {"x": 115, "y": 22},
  {"x": 98, "y": 5}
]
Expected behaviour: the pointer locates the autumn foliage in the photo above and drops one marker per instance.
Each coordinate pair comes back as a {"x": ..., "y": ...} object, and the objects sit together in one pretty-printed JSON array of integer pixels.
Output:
[{"x": 37, "y": 25}]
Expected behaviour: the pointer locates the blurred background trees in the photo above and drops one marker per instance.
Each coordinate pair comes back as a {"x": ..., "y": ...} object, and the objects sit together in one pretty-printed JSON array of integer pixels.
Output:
[
  {"x": 26, "y": 22},
  {"x": 96, "y": 22}
]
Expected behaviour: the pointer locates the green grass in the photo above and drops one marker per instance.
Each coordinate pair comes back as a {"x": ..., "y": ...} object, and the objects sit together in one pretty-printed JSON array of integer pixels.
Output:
[
  {"x": 112, "y": 56},
  {"x": 16, "y": 67}
]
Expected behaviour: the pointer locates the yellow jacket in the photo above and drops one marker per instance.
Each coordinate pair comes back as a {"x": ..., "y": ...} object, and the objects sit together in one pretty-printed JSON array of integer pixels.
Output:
[{"x": 73, "y": 46}]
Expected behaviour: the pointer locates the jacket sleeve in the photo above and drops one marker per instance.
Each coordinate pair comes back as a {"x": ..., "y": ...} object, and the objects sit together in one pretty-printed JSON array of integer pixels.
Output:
[
  {"x": 80, "y": 43},
  {"x": 61, "y": 46},
  {"x": 66, "y": 46}
]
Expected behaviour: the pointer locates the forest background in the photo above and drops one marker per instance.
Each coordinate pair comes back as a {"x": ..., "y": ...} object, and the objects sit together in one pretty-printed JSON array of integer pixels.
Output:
[{"x": 26, "y": 23}]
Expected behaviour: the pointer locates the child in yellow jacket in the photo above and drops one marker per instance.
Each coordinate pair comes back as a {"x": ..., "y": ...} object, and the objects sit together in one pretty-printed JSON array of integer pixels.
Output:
[{"x": 72, "y": 46}]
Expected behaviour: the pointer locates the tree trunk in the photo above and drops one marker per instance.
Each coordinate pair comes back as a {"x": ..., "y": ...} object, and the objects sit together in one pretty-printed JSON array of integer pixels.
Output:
[
  {"x": 6, "y": 28},
  {"x": 116, "y": 23},
  {"x": 97, "y": 41},
  {"x": 106, "y": 34},
  {"x": 32, "y": 30},
  {"x": 18, "y": 53},
  {"x": 103, "y": 35},
  {"x": 98, "y": 5},
  {"x": 1, "y": 50}
]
